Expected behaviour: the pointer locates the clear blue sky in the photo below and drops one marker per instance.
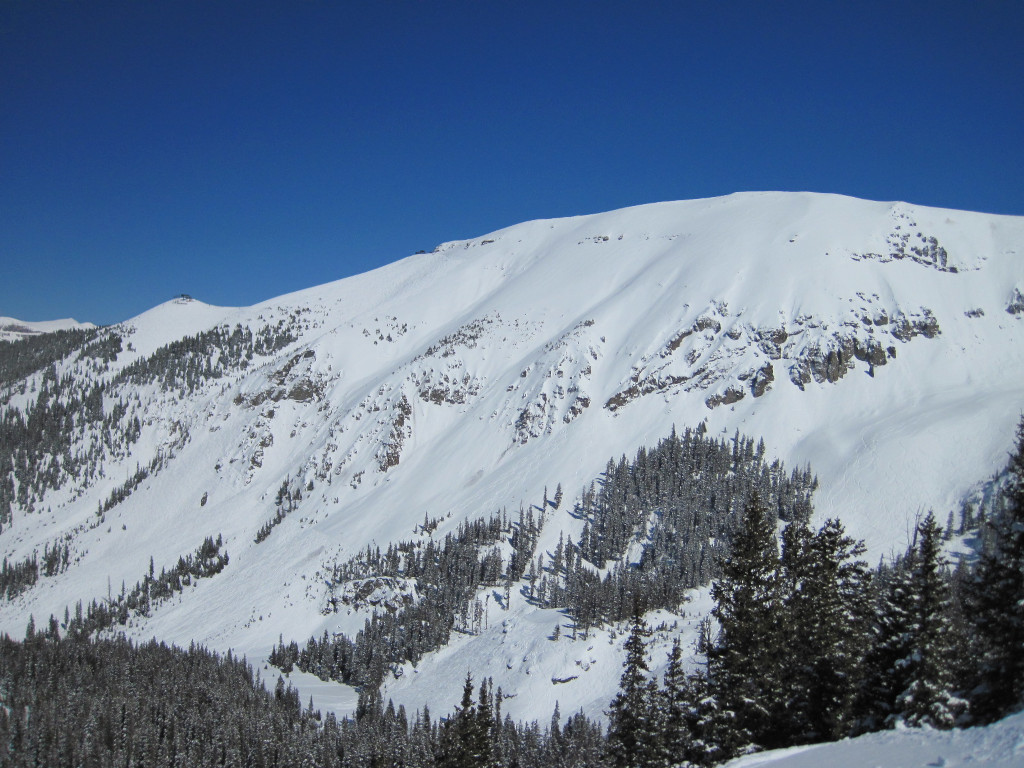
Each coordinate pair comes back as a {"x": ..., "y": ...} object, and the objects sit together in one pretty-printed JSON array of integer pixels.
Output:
[{"x": 238, "y": 150}]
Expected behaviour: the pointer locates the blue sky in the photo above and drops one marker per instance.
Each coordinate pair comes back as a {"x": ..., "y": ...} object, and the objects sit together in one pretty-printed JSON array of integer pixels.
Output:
[{"x": 239, "y": 150}]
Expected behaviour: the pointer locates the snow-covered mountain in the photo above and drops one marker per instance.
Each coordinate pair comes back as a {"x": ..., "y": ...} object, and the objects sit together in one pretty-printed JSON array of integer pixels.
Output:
[
  {"x": 12, "y": 329},
  {"x": 879, "y": 342}
]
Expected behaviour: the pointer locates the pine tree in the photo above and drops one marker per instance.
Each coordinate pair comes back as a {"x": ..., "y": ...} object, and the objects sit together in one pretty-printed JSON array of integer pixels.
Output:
[
  {"x": 826, "y": 612},
  {"x": 710, "y": 726},
  {"x": 633, "y": 731},
  {"x": 460, "y": 738},
  {"x": 744, "y": 664},
  {"x": 677, "y": 705},
  {"x": 910, "y": 677},
  {"x": 928, "y": 697},
  {"x": 891, "y": 644},
  {"x": 481, "y": 743},
  {"x": 996, "y": 601}
]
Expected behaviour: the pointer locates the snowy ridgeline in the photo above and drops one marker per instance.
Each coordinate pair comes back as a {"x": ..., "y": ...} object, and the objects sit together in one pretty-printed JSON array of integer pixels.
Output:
[{"x": 12, "y": 329}]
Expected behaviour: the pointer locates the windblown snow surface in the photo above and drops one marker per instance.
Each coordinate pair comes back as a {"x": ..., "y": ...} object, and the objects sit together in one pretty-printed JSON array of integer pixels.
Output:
[
  {"x": 880, "y": 342},
  {"x": 997, "y": 746}
]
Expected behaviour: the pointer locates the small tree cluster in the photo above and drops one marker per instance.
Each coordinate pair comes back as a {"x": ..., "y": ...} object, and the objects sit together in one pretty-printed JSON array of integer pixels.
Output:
[
  {"x": 680, "y": 503},
  {"x": 153, "y": 589},
  {"x": 447, "y": 574}
]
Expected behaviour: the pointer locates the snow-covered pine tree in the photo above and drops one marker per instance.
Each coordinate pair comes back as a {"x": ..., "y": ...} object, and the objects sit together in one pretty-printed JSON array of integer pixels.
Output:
[
  {"x": 634, "y": 730},
  {"x": 461, "y": 738},
  {"x": 710, "y": 726},
  {"x": 678, "y": 708},
  {"x": 910, "y": 666},
  {"x": 482, "y": 733},
  {"x": 928, "y": 698},
  {"x": 996, "y": 601},
  {"x": 890, "y": 643},
  {"x": 827, "y": 610},
  {"x": 744, "y": 663}
]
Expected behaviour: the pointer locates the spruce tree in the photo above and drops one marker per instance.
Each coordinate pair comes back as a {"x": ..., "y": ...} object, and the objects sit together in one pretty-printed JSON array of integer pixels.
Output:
[
  {"x": 891, "y": 643},
  {"x": 996, "y": 601},
  {"x": 826, "y": 614},
  {"x": 481, "y": 747},
  {"x": 744, "y": 664},
  {"x": 634, "y": 734},
  {"x": 928, "y": 698},
  {"x": 911, "y": 662},
  {"x": 678, "y": 707},
  {"x": 459, "y": 738}
]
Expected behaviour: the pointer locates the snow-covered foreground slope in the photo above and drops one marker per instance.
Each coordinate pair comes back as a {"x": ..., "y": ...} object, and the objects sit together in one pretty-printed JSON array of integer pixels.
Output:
[
  {"x": 1000, "y": 745},
  {"x": 881, "y": 342}
]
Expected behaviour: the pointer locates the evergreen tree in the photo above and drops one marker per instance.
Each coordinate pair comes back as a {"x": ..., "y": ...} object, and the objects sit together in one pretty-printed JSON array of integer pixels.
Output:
[
  {"x": 481, "y": 747},
  {"x": 928, "y": 697},
  {"x": 677, "y": 705},
  {"x": 996, "y": 601},
  {"x": 891, "y": 643},
  {"x": 910, "y": 666},
  {"x": 826, "y": 615},
  {"x": 634, "y": 737},
  {"x": 744, "y": 664},
  {"x": 460, "y": 735},
  {"x": 709, "y": 725}
]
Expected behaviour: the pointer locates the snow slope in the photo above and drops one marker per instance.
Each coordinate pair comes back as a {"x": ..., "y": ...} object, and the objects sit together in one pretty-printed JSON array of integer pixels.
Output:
[
  {"x": 998, "y": 745},
  {"x": 881, "y": 342}
]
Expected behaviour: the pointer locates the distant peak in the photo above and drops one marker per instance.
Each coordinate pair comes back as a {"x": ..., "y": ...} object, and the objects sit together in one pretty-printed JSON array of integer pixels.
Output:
[{"x": 11, "y": 328}]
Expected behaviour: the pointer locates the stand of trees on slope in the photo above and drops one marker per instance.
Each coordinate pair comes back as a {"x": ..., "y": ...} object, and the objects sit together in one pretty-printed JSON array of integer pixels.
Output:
[
  {"x": 447, "y": 576},
  {"x": 813, "y": 646},
  {"x": 679, "y": 503},
  {"x": 16, "y": 577},
  {"x": 147, "y": 593},
  {"x": 189, "y": 363},
  {"x": 81, "y": 416},
  {"x": 76, "y": 701},
  {"x": 21, "y": 358}
]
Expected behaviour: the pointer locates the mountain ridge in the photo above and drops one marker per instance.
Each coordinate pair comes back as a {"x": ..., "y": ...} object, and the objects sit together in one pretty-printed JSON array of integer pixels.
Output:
[
  {"x": 12, "y": 329},
  {"x": 871, "y": 340}
]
